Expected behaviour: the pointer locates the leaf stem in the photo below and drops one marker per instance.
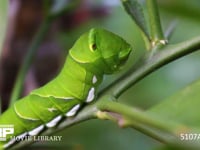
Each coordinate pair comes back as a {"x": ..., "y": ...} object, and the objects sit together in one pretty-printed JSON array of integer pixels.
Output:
[
  {"x": 131, "y": 114},
  {"x": 156, "y": 32}
]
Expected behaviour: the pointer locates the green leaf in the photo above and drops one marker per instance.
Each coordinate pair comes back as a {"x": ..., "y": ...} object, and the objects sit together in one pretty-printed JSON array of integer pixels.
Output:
[
  {"x": 183, "y": 107},
  {"x": 135, "y": 10},
  {"x": 3, "y": 20}
]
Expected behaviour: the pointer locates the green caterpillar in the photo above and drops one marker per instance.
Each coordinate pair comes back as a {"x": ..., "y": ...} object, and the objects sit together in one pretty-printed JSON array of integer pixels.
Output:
[{"x": 94, "y": 54}]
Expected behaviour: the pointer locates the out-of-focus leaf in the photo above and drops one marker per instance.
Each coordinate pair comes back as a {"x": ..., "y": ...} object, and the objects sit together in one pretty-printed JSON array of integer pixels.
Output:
[
  {"x": 166, "y": 147},
  {"x": 3, "y": 21},
  {"x": 59, "y": 6},
  {"x": 183, "y": 107},
  {"x": 181, "y": 8}
]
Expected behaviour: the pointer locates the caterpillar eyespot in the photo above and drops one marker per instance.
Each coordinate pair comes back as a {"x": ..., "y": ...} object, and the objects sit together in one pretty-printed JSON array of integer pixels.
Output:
[
  {"x": 93, "y": 47},
  {"x": 77, "y": 83}
]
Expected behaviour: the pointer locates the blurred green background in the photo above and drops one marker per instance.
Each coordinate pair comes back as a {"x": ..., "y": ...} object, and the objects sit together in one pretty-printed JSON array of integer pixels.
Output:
[{"x": 97, "y": 134}]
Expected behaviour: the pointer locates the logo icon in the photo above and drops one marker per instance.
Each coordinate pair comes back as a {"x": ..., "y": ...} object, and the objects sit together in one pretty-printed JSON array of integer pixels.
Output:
[{"x": 6, "y": 130}]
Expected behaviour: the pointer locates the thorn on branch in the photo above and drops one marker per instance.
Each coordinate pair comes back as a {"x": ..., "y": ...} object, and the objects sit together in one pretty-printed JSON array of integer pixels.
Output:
[{"x": 158, "y": 42}]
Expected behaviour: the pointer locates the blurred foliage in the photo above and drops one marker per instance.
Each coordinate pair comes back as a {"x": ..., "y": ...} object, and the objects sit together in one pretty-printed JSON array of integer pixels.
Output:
[
  {"x": 181, "y": 8},
  {"x": 183, "y": 104},
  {"x": 3, "y": 20}
]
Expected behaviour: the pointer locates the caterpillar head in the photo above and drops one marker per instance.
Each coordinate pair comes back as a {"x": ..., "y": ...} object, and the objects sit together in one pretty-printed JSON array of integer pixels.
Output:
[
  {"x": 112, "y": 48},
  {"x": 105, "y": 50}
]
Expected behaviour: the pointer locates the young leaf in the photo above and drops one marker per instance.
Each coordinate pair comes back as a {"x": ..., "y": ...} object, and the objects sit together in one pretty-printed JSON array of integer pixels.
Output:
[{"x": 135, "y": 10}]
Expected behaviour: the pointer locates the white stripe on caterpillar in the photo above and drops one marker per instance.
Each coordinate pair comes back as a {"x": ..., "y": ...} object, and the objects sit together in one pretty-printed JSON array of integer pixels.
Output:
[
  {"x": 52, "y": 109},
  {"x": 24, "y": 117},
  {"x": 91, "y": 95},
  {"x": 94, "y": 79},
  {"x": 22, "y": 135},
  {"x": 54, "y": 121},
  {"x": 68, "y": 98},
  {"x": 36, "y": 131},
  {"x": 73, "y": 111},
  {"x": 49, "y": 95},
  {"x": 11, "y": 142}
]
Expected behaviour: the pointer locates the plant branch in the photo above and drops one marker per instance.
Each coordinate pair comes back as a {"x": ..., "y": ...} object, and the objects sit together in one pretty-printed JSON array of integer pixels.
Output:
[
  {"x": 129, "y": 114},
  {"x": 154, "y": 126},
  {"x": 151, "y": 63}
]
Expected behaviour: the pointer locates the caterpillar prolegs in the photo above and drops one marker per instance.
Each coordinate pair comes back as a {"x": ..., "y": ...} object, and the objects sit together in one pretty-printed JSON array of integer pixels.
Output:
[{"x": 94, "y": 54}]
